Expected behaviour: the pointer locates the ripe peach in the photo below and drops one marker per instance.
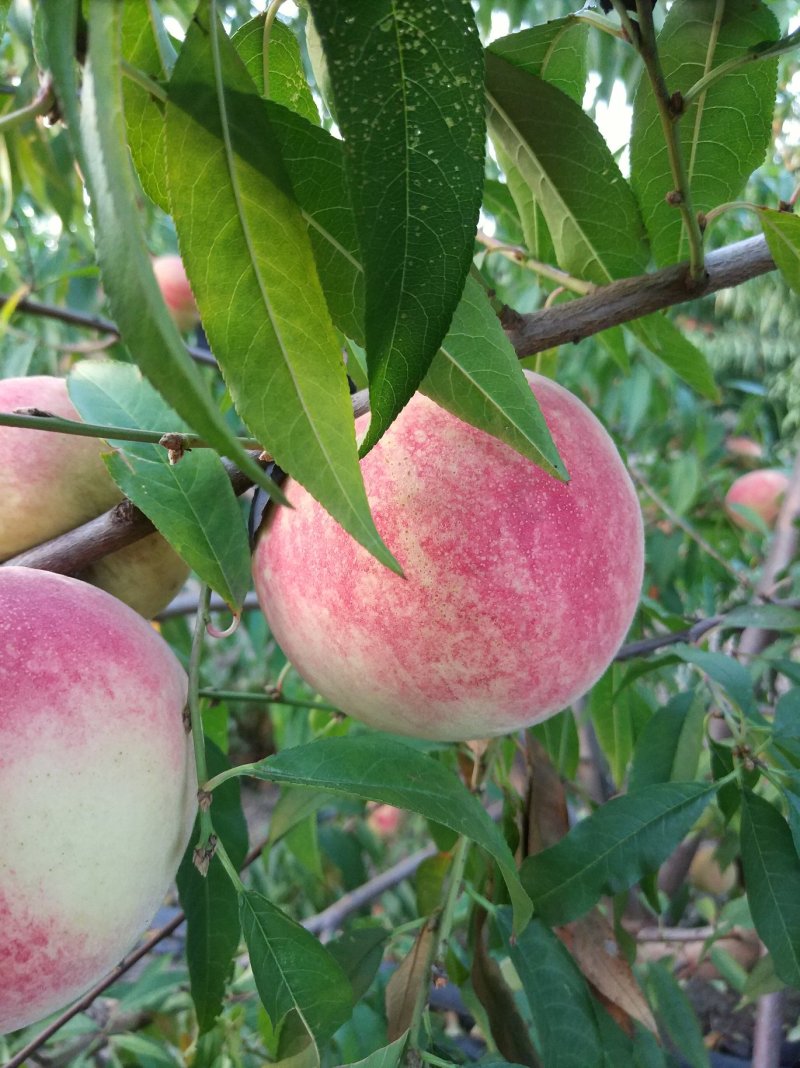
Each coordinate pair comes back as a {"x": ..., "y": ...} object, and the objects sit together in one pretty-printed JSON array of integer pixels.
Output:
[
  {"x": 385, "y": 820},
  {"x": 97, "y": 786},
  {"x": 518, "y": 588},
  {"x": 50, "y": 483},
  {"x": 176, "y": 291},
  {"x": 761, "y": 491}
]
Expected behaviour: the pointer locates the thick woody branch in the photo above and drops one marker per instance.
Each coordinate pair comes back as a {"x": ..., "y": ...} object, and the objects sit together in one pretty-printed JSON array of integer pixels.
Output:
[{"x": 632, "y": 298}]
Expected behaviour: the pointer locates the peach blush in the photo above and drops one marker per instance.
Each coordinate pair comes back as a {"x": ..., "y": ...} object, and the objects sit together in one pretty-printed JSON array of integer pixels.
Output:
[
  {"x": 176, "y": 291},
  {"x": 762, "y": 492},
  {"x": 97, "y": 786},
  {"x": 518, "y": 591}
]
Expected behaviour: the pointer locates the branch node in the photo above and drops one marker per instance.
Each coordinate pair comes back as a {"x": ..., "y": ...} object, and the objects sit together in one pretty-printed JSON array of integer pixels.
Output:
[{"x": 176, "y": 447}]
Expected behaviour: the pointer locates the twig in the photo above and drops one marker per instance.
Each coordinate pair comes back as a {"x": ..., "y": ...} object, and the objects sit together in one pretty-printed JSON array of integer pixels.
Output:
[
  {"x": 86, "y": 321},
  {"x": 632, "y": 298},
  {"x": 687, "y": 528},
  {"x": 73, "y": 552},
  {"x": 782, "y": 550},
  {"x": 186, "y": 604},
  {"x": 40, "y": 105},
  {"x": 522, "y": 257}
]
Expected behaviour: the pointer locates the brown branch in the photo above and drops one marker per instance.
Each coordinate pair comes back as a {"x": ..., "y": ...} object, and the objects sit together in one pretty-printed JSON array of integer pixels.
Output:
[
  {"x": 768, "y": 1031},
  {"x": 86, "y": 321},
  {"x": 632, "y": 298}
]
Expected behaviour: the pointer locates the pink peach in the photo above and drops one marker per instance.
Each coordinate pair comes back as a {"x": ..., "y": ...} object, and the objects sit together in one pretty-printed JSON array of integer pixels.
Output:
[
  {"x": 176, "y": 291},
  {"x": 50, "y": 483},
  {"x": 97, "y": 786},
  {"x": 759, "y": 491},
  {"x": 518, "y": 588}
]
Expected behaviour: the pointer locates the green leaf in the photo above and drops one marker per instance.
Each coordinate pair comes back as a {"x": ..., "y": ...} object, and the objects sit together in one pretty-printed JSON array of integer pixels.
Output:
[
  {"x": 669, "y": 747},
  {"x": 772, "y": 875},
  {"x": 555, "y": 51},
  {"x": 786, "y": 723},
  {"x": 191, "y": 502},
  {"x": 660, "y": 335},
  {"x": 211, "y": 903},
  {"x": 763, "y": 616},
  {"x": 409, "y": 100},
  {"x": 247, "y": 252},
  {"x": 559, "y": 736},
  {"x": 145, "y": 45},
  {"x": 724, "y": 132},
  {"x": 557, "y": 995},
  {"x": 782, "y": 231},
  {"x": 380, "y": 769},
  {"x": 676, "y": 1014},
  {"x": 292, "y": 971},
  {"x": 589, "y": 208},
  {"x": 128, "y": 279},
  {"x": 610, "y": 850},
  {"x": 790, "y": 785},
  {"x": 388, "y": 1057},
  {"x": 359, "y": 952},
  {"x": 732, "y": 676},
  {"x": 477, "y": 376},
  {"x": 275, "y": 65}
]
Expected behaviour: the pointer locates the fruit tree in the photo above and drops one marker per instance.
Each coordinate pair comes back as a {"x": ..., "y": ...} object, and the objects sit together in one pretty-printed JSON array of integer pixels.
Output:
[{"x": 399, "y": 512}]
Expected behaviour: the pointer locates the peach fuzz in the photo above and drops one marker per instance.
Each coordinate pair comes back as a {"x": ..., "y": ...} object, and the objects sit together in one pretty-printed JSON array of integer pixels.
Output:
[
  {"x": 761, "y": 491},
  {"x": 518, "y": 589},
  {"x": 97, "y": 786},
  {"x": 176, "y": 291},
  {"x": 51, "y": 483}
]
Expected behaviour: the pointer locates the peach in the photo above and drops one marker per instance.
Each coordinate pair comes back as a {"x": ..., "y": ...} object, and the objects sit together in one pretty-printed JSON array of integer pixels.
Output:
[
  {"x": 744, "y": 448},
  {"x": 760, "y": 491},
  {"x": 50, "y": 483},
  {"x": 385, "y": 820},
  {"x": 176, "y": 291},
  {"x": 97, "y": 786},
  {"x": 518, "y": 588}
]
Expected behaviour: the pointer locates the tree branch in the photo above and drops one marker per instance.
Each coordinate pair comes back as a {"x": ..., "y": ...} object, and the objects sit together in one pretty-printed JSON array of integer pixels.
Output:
[{"x": 632, "y": 298}]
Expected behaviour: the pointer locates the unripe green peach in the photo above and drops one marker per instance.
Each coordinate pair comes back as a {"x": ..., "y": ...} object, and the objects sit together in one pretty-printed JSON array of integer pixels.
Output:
[
  {"x": 518, "y": 588},
  {"x": 97, "y": 786},
  {"x": 50, "y": 483}
]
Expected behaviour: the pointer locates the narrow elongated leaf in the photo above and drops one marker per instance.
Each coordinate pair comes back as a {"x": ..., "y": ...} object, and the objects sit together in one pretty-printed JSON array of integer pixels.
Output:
[
  {"x": 146, "y": 46},
  {"x": 612, "y": 849},
  {"x": 246, "y": 249},
  {"x": 669, "y": 747},
  {"x": 406, "y": 983},
  {"x": 408, "y": 91},
  {"x": 723, "y": 134},
  {"x": 732, "y": 676},
  {"x": 782, "y": 231},
  {"x": 555, "y": 51},
  {"x": 128, "y": 279},
  {"x": 211, "y": 902},
  {"x": 293, "y": 972},
  {"x": 790, "y": 785},
  {"x": 763, "y": 616},
  {"x": 786, "y": 723},
  {"x": 557, "y": 995},
  {"x": 378, "y": 769},
  {"x": 660, "y": 335},
  {"x": 275, "y": 65},
  {"x": 475, "y": 374},
  {"x": 772, "y": 873},
  {"x": 388, "y": 1057},
  {"x": 590, "y": 210},
  {"x": 676, "y": 1014},
  {"x": 359, "y": 951},
  {"x": 191, "y": 502}
]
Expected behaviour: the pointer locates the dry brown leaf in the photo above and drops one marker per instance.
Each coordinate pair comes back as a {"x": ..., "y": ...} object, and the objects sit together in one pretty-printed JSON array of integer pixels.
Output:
[{"x": 410, "y": 981}]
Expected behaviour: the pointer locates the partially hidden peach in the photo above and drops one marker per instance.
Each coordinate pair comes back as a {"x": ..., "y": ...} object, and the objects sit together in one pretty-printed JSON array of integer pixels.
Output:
[
  {"x": 176, "y": 291},
  {"x": 50, "y": 483},
  {"x": 518, "y": 588},
  {"x": 97, "y": 786},
  {"x": 760, "y": 492}
]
